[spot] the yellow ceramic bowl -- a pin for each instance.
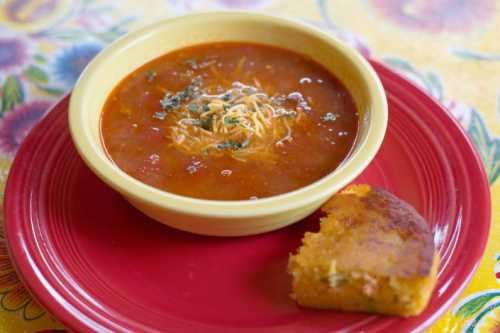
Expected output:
(225, 218)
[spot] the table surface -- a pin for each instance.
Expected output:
(448, 47)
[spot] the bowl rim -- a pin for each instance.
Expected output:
(136, 190)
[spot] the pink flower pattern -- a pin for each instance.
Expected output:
(437, 15)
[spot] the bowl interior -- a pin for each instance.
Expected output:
(134, 50)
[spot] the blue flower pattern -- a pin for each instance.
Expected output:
(71, 61)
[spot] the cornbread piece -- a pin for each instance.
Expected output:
(373, 253)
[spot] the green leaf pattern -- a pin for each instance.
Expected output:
(429, 81)
(475, 303)
(476, 306)
(472, 325)
(488, 146)
(473, 55)
(36, 75)
(12, 93)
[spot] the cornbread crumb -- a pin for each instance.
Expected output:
(373, 253)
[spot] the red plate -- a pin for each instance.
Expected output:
(98, 264)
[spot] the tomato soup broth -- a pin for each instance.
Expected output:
(229, 121)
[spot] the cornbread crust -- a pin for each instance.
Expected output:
(373, 253)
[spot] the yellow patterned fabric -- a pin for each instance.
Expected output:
(451, 48)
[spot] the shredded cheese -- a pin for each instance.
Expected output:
(243, 121)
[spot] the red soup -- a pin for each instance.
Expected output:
(229, 121)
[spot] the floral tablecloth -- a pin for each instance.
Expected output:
(451, 48)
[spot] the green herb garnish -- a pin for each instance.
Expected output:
(172, 102)
(233, 145)
(151, 75)
(226, 97)
(193, 108)
(193, 63)
(207, 123)
(231, 121)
